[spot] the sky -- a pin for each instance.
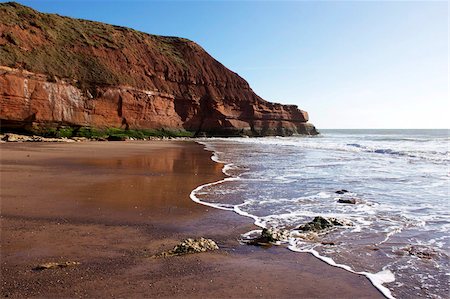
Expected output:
(350, 64)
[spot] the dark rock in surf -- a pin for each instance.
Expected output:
(422, 252)
(328, 243)
(320, 223)
(347, 200)
(342, 191)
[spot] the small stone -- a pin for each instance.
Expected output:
(328, 243)
(89, 95)
(54, 265)
(79, 139)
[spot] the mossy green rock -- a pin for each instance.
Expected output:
(189, 246)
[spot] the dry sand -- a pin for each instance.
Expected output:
(110, 205)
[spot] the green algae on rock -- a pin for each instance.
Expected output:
(268, 237)
(320, 223)
(189, 246)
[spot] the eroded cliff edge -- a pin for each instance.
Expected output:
(59, 71)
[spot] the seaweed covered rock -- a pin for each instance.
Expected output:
(191, 246)
(320, 223)
(269, 236)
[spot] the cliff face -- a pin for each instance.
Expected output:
(60, 71)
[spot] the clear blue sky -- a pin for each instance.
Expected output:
(350, 64)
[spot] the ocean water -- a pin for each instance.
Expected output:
(399, 237)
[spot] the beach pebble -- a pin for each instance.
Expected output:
(54, 265)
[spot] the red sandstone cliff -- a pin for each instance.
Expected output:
(60, 71)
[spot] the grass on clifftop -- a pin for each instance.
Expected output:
(75, 49)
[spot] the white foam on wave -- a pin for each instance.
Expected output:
(377, 279)
(323, 195)
(396, 230)
(257, 220)
(193, 194)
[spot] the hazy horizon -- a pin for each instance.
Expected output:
(350, 65)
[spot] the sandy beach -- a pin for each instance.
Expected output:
(112, 205)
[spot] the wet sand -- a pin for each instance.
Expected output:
(111, 205)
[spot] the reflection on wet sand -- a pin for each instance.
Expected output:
(124, 181)
(155, 181)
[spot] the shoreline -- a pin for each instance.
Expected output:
(376, 279)
(111, 205)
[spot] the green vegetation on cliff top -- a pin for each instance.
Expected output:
(71, 48)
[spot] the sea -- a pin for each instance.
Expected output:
(400, 179)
